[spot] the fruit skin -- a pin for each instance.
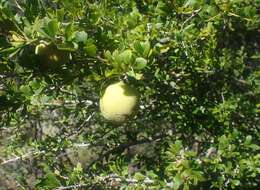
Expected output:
(7, 103)
(3, 100)
(44, 57)
(27, 58)
(119, 102)
(50, 57)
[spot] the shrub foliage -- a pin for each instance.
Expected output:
(195, 64)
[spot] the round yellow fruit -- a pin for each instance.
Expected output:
(119, 102)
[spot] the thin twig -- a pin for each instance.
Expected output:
(238, 16)
(195, 13)
(72, 186)
(18, 6)
(25, 156)
(83, 125)
(101, 59)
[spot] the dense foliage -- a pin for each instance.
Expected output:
(195, 64)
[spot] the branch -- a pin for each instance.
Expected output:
(83, 125)
(72, 186)
(195, 13)
(101, 59)
(25, 156)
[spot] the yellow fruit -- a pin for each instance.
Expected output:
(119, 102)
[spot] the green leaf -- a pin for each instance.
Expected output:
(11, 50)
(186, 187)
(67, 47)
(235, 182)
(151, 174)
(133, 18)
(26, 90)
(142, 48)
(69, 32)
(176, 147)
(51, 180)
(256, 56)
(248, 139)
(177, 182)
(78, 168)
(123, 59)
(50, 26)
(126, 56)
(81, 37)
(137, 76)
(192, 3)
(138, 47)
(139, 176)
(90, 49)
(108, 55)
(140, 63)
(188, 28)
(146, 46)
(255, 147)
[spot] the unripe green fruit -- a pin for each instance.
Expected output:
(50, 56)
(119, 102)
(5, 103)
(2, 93)
(39, 49)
